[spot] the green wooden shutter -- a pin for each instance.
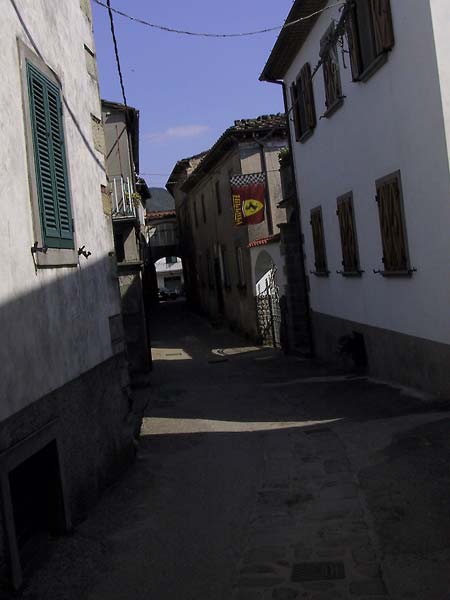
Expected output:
(50, 160)
(60, 164)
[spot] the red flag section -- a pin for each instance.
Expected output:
(248, 194)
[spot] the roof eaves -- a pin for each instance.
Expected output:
(241, 130)
(291, 39)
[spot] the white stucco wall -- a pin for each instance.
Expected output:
(53, 322)
(392, 122)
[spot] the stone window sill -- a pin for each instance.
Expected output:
(400, 273)
(305, 136)
(320, 273)
(371, 69)
(357, 273)
(334, 107)
(56, 257)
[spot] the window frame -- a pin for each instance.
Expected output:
(54, 256)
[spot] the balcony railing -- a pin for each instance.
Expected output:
(122, 198)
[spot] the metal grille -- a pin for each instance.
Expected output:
(269, 312)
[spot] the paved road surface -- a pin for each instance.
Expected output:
(250, 463)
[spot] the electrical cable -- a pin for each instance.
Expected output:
(116, 51)
(213, 35)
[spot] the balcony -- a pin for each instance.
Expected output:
(122, 191)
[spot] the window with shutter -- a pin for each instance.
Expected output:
(50, 160)
(392, 225)
(295, 111)
(370, 36)
(203, 209)
(240, 267)
(320, 257)
(209, 268)
(331, 74)
(218, 198)
(224, 264)
(347, 227)
(306, 118)
(195, 214)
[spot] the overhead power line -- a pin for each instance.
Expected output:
(209, 34)
(116, 52)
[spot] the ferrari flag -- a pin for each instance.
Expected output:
(247, 194)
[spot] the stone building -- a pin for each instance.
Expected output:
(185, 230)
(66, 417)
(221, 263)
(128, 195)
(367, 89)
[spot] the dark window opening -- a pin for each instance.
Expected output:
(119, 246)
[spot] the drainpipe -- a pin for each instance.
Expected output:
(266, 187)
(297, 216)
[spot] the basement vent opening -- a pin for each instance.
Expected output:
(37, 504)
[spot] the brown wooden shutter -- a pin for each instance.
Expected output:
(392, 225)
(353, 44)
(320, 257)
(347, 226)
(308, 96)
(295, 110)
(382, 25)
(332, 79)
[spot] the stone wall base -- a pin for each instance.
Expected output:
(391, 356)
(93, 424)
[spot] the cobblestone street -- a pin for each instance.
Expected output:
(261, 476)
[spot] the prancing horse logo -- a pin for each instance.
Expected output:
(251, 207)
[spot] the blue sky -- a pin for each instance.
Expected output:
(188, 90)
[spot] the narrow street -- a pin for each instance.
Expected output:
(264, 476)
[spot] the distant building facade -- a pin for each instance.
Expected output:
(369, 102)
(128, 197)
(169, 273)
(66, 416)
(219, 267)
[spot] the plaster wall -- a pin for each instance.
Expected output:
(392, 122)
(250, 155)
(218, 230)
(54, 321)
(118, 161)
